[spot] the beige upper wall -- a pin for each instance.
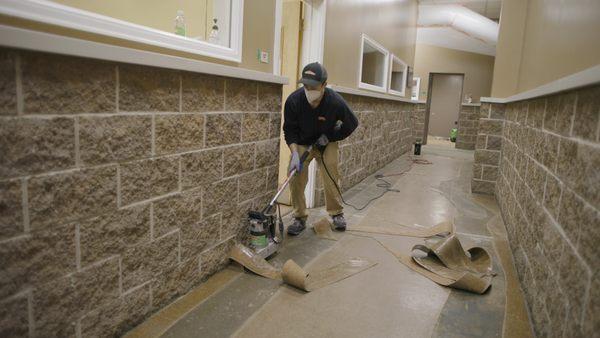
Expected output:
(478, 69)
(259, 33)
(391, 23)
(509, 48)
(560, 38)
(259, 28)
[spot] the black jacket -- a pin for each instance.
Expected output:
(303, 125)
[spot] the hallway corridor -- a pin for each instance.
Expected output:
(388, 300)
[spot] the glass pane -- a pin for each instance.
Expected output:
(373, 63)
(205, 20)
(219, 14)
(397, 81)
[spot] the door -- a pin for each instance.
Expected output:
(445, 97)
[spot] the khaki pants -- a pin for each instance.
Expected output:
(333, 200)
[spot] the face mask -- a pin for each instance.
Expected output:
(312, 95)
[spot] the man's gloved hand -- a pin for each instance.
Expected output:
(295, 163)
(322, 141)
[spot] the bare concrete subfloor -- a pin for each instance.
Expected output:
(389, 300)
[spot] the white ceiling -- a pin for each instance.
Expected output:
(449, 38)
(487, 8)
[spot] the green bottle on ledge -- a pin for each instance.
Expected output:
(180, 23)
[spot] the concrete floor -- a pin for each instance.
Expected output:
(388, 300)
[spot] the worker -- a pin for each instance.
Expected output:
(315, 114)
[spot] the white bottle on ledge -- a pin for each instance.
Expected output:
(214, 33)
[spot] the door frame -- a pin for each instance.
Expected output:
(277, 37)
(429, 95)
(313, 45)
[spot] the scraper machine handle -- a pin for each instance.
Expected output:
(287, 181)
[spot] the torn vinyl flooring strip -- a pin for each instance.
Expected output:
(447, 264)
(292, 274)
(443, 228)
(323, 230)
(254, 263)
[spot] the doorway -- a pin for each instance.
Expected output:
(444, 101)
(302, 42)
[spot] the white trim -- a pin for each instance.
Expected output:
(371, 87)
(385, 52)
(416, 87)
(65, 16)
(584, 78)
(394, 58)
(45, 42)
(277, 37)
(354, 91)
(311, 51)
(313, 31)
(471, 104)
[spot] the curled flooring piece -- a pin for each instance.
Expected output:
(323, 229)
(293, 274)
(254, 263)
(443, 228)
(446, 263)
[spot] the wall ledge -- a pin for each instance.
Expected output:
(45, 42)
(584, 78)
(475, 104)
(359, 92)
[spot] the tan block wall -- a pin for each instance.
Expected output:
(385, 132)
(548, 189)
(487, 148)
(418, 122)
(121, 187)
(468, 122)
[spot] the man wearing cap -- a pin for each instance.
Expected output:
(316, 114)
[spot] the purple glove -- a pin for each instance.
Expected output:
(295, 163)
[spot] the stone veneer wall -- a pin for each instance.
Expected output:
(385, 132)
(418, 121)
(548, 189)
(487, 148)
(468, 121)
(121, 187)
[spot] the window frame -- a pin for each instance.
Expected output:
(380, 48)
(73, 18)
(394, 58)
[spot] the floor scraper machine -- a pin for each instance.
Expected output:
(263, 224)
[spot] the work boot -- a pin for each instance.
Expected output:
(339, 223)
(297, 227)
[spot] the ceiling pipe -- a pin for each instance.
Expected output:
(461, 19)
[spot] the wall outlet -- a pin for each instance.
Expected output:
(263, 56)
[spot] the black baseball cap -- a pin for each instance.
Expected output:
(313, 74)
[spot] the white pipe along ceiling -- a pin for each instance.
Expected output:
(461, 19)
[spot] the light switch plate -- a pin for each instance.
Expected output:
(264, 56)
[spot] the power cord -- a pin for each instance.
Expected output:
(387, 186)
